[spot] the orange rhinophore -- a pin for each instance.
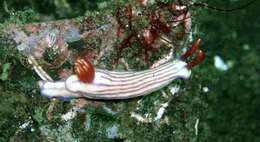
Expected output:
(84, 70)
(193, 49)
(198, 58)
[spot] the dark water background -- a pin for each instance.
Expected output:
(234, 103)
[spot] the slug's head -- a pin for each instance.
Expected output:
(84, 69)
(199, 54)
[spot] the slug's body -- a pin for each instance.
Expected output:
(112, 85)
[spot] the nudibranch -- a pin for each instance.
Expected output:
(115, 85)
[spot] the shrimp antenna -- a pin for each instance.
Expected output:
(201, 4)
